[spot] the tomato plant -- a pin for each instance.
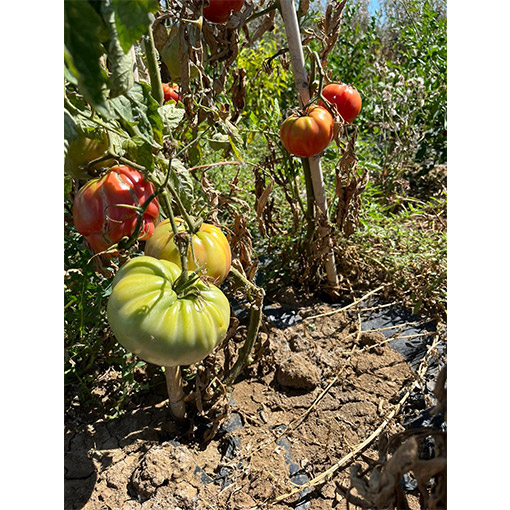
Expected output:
(171, 91)
(346, 99)
(162, 324)
(210, 247)
(82, 150)
(104, 212)
(307, 135)
(219, 11)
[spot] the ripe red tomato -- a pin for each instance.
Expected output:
(346, 99)
(100, 218)
(219, 11)
(307, 135)
(170, 91)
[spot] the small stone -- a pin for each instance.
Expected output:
(159, 466)
(371, 338)
(297, 343)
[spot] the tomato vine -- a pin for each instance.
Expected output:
(115, 96)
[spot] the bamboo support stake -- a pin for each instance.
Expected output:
(175, 391)
(288, 12)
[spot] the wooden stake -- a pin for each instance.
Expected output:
(297, 59)
(175, 391)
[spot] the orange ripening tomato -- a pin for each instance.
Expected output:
(170, 91)
(307, 135)
(219, 11)
(210, 247)
(99, 213)
(346, 99)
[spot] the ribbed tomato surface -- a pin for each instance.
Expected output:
(150, 320)
(210, 247)
(307, 135)
(99, 210)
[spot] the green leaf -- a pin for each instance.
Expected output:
(139, 112)
(120, 63)
(182, 182)
(84, 31)
(68, 74)
(219, 142)
(236, 140)
(195, 154)
(139, 151)
(132, 19)
(171, 117)
(141, 94)
(117, 143)
(68, 185)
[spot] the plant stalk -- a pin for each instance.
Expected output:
(183, 254)
(272, 7)
(175, 391)
(290, 20)
(253, 328)
(153, 67)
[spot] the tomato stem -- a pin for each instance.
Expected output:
(175, 391)
(152, 66)
(120, 159)
(183, 250)
(198, 137)
(272, 7)
(316, 66)
(181, 285)
(256, 294)
(134, 236)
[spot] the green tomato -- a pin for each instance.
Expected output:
(152, 321)
(82, 151)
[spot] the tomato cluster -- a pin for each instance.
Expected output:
(308, 134)
(152, 312)
(161, 321)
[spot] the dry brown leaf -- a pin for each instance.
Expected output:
(260, 204)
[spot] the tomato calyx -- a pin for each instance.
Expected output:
(197, 224)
